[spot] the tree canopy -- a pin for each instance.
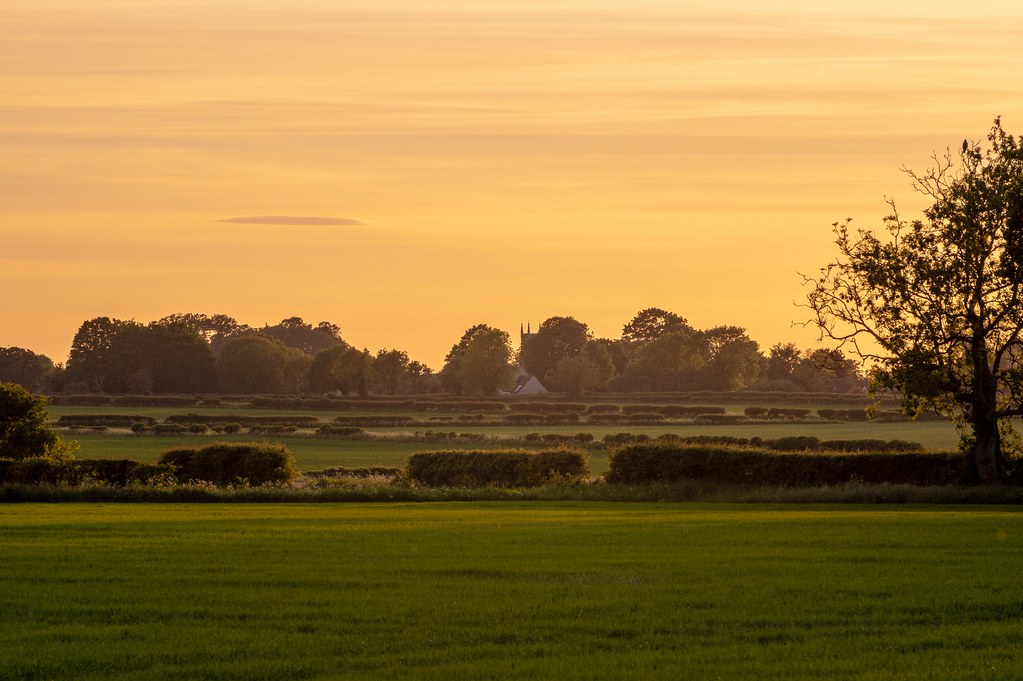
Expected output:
(934, 304)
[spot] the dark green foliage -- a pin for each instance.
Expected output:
(535, 407)
(116, 472)
(24, 424)
(139, 427)
(330, 430)
(495, 468)
(169, 428)
(246, 463)
(24, 367)
(602, 409)
(374, 421)
(639, 464)
(670, 410)
(108, 420)
(269, 430)
(793, 444)
(367, 472)
(198, 428)
(231, 428)
(215, 420)
(779, 412)
(756, 412)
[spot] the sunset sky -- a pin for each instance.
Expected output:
(467, 162)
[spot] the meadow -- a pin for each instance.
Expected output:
(509, 590)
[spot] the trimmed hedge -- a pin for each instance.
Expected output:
(331, 430)
(779, 412)
(108, 420)
(639, 464)
(547, 407)
(368, 472)
(670, 410)
(371, 421)
(244, 463)
(214, 420)
(116, 472)
(495, 468)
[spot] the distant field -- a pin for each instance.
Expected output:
(310, 453)
(510, 591)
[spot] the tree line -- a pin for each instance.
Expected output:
(197, 353)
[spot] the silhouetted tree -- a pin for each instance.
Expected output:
(937, 304)
(253, 364)
(556, 339)
(26, 368)
(485, 367)
(652, 323)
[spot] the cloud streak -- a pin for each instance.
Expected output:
(291, 220)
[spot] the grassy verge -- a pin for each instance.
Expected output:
(348, 490)
(484, 591)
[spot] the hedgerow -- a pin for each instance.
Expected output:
(640, 464)
(243, 463)
(495, 468)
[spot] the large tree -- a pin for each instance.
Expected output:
(934, 304)
(25, 426)
(26, 368)
(557, 338)
(485, 366)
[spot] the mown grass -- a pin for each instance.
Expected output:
(511, 591)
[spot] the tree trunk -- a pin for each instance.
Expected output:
(987, 449)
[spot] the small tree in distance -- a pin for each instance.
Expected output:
(936, 307)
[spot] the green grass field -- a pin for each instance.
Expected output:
(509, 591)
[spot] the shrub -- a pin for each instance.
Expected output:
(139, 427)
(797, 443)
(223, 464)
(232, 428)
(637, 464)
(214, 420)
(494, 468)
(368, 472)
(198, 428)
(755, 412)
(169, 428)
(602, 409)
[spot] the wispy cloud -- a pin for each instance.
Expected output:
(292, 220)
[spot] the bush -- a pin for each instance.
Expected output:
(245, 463)
(624, 439)
(755, 412)
(198, 428)
(115, 472)
(232, 428)
(139, 427)
(602, 409)
(169, 428)
(640, 464)
(494, 468)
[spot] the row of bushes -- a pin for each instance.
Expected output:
(650, 463)
(117, 472)
(108, 420)
(495, 468)
(216, 420)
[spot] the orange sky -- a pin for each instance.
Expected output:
(495, 162)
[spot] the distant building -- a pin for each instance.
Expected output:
(526, 383)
